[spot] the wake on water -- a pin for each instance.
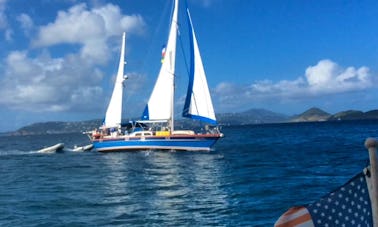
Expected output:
(16, 152)
(57, 148)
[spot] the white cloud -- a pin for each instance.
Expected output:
(74, 26)
(225, 88)
(90, 28)
(204, 3)
(26, 22)
(328, 77)
(324, 78)
(70, 82)
(49, 84)
(8, 32)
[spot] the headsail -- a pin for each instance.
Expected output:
(160, 104)
(114, 112)
(198, 104)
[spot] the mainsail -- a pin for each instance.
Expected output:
(114, 112)
(160, 104)
(198, 104)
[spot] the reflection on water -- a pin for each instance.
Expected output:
(177, 187)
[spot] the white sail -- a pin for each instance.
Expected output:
(114, 112)
(160, 104)
(198, 104)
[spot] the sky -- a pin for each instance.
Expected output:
(58, 58)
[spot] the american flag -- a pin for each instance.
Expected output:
(349, 205)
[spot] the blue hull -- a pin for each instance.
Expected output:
(193, 143)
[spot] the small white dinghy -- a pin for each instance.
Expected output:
(55, 148)
(83, 148)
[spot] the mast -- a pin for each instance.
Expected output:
(174, 28)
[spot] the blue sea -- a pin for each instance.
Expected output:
(253, 175)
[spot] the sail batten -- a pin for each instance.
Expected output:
(113, 114)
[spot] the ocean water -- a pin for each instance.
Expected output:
(251, 177)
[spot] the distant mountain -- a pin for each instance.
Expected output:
(252, 116)
(347, 115)
(372, 114)
(316, 114)
(313, 114)
(354, 115)
(56, 127)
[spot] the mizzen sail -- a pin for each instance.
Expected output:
(113, 115)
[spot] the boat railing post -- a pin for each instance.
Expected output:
(372, 144)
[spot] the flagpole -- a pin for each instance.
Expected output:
(372, 144)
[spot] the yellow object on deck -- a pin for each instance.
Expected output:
(163, 133)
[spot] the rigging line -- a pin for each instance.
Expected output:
(183, 51)
(155, 34)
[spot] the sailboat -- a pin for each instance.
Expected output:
(156, 128)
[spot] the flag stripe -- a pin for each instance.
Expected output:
(295, 216)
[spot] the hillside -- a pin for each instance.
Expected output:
(313, 114)
(252, 116)
(354, 115)
(316, 114)
(57, 127)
